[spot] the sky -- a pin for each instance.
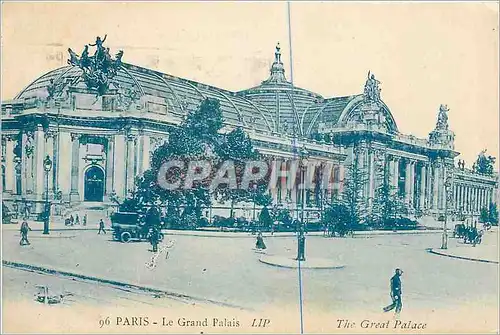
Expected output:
(425, 54)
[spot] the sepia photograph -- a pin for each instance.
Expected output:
(250, 167)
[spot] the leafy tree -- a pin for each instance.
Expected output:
(352, 194)
(265, 219)
(334, 217)
(388, 205)
(484, 216)
(198, 137)
(493, 214)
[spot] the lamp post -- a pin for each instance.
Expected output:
(447, 185)
(254, 187)
(47, 166)
(301, 239)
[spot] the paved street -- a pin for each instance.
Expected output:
(226, 270)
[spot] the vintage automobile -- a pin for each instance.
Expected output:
(129, 226)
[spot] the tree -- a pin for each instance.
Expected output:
(484, 216)
(493, 214)
(265, 219)
(334, 218)
(352, 198)
(237, 147)
(198, 137)
(388, 205)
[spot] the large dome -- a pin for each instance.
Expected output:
(180, 96)
(280, 100)
(274, 106)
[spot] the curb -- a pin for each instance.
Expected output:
(432, 251)
(303, 267)
(50, 229)
(172, 295)
(248, 235)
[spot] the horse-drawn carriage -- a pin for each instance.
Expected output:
(459, 231)
(470, 234)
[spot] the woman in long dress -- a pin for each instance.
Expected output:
(260, 242)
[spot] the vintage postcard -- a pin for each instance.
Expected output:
(250, 167)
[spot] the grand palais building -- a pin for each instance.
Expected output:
(99, 120)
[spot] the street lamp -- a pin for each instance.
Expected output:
(301, 239)
(447, 186)
(254, 187)
(47, 166)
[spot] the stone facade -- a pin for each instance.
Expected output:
(99, 143)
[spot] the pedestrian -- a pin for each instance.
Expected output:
(84, 220)
(260, 245)
(77, 219)
(101, 227)
(154, 238)
(67, 222)
(395, 293)
(71, 219)
(24, 233)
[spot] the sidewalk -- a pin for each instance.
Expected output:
(58, 225)
(486, 252)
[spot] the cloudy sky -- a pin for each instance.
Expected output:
(425, 54)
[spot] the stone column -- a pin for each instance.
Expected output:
(462, 197)
(143, 155)
(130, 162)
(435, 191)
(55, 162)
(39, 171)
(428, 186)
(64, 167)
(467, 199)
(442, 193)
(408, 182)
(110, 160)
(485, 196)
(412, 183)
(390, 177)
(371, 178)
(473, 199)
(478, 198)
(75, 167)
(119, 165)
(360, 154)
(10, 172)
(423, 178)
(395, 176)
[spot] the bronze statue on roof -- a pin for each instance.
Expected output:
(99, 69)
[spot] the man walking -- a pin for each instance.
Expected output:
(154, 238)
(395, 292)
(24, 233)
(101, 227)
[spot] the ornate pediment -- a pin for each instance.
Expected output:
(99, 69)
